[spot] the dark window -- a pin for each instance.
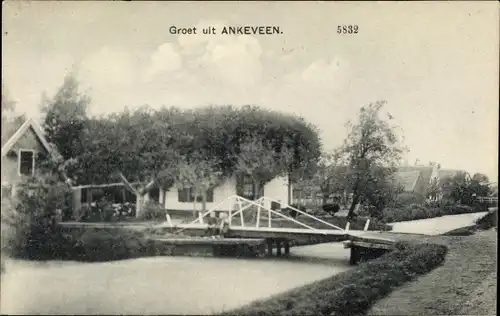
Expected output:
(26, 162)
(246, 187)
(187, 195)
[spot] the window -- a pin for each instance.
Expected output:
(245, 187)
(26, 162)
(187, 195)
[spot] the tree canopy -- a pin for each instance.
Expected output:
(147, 145)
(370, 152)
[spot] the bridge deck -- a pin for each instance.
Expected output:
(210, 241)
(267, 229)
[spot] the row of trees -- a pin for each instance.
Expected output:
(199, 148)
(191, 148)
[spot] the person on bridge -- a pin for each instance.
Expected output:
(223, 224)
(213, 226)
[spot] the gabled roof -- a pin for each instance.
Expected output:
(20, 132)
(408, 179)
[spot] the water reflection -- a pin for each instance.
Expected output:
(162, 285)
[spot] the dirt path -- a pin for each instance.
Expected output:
(455, 287)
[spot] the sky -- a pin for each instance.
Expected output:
(435, 63)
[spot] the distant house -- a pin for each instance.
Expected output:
(22, 153)
(417, 179)
(420, 179)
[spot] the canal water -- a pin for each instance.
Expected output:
(162, 285)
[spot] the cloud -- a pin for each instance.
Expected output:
(165, 59)
(108, 66)
(212, 61)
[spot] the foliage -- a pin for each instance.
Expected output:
(354, 291)
(331, 208)
(153, 211)
(65, 117)
(199, 172)
(406, 198)
(30, 219)
(489, 220)
(102, 245)
(462, 189)
(146, 144)
(419, 211)
(370, 152)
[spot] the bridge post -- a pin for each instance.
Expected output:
(269, 247)
(278, 247)
(355, 254)
(287, 247)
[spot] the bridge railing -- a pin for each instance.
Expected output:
(303, 213)
(270, 212)
(244, 204)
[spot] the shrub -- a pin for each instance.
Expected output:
(489, 220)
(293, 213)
(406, 199)
(354, 291)
(107, 245)
(331, 208)
(29, 219)
(153, 211)
(418, 211)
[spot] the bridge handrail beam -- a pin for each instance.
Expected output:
(274, 212)
(304, 213)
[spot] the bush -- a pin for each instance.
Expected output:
(489, 220)
(406, 199)
(29, 220)
(331, 208)
(354, 291)
(153, 211)
(418, 211)
(293, 213)
(107, 245)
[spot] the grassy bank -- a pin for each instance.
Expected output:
(353, 292)
(471, 261)
(486, 222)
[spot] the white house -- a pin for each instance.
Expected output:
(176, 199)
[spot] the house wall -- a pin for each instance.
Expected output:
(276, 189)
(223, 191)
(10, 161)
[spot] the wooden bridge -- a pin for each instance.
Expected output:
(278, 238)
(259, 229)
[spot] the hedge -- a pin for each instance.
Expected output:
(418, 211)
(353, 292)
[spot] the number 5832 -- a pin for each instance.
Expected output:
(347, 29)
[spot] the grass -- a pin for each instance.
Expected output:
(484, 223)
(354, 291)
(450, 289)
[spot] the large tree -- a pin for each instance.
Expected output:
(371, 152)
(65, 117)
